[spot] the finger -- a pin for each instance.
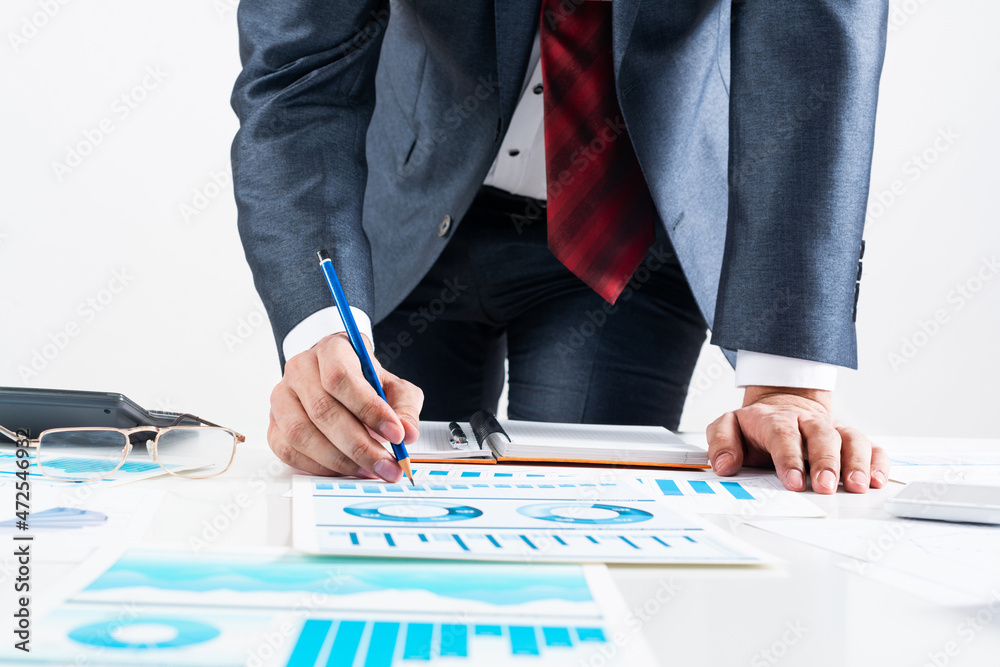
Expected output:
(783, 441)
(725, 444)
(880, 467)
(341, 377)
(406, 399)
(332, 435)
(855, 460)
(289, 455)
(823, 445)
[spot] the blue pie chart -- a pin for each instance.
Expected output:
(188, 633)
(413, 511)
(577, 513)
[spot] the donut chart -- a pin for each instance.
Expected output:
(102, 634)
(577, 513)
(413, 511)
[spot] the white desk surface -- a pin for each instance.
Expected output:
(807, 611)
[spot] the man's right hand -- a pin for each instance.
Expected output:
(326, 418)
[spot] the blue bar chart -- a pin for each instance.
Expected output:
(561, 519)
(469, 484)
(673, 487)
(383, 643)
(746, 496)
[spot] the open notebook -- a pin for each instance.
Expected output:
(488, 440)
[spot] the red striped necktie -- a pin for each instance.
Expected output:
(601, 216)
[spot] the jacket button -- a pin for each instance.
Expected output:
(445, 226)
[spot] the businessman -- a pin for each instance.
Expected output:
(578, 188)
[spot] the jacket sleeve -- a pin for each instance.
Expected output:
(804, 88)
(304, 99)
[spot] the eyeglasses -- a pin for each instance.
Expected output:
(90, 454)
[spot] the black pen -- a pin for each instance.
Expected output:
(458, 438)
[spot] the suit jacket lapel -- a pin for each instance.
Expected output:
(622, 19)
(516, 24)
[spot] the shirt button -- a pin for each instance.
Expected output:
(445, 226)
(513, 152)
(537, 90)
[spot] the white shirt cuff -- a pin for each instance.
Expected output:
(318, 326)
(769, 370)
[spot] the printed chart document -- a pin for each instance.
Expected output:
(473, 515)
(177, 608)
(137, 466)
(745, 497)
(488, 440)
(68, 523)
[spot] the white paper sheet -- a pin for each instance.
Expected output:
(138, 465)
(930, 555)
(547, 518)
(157, 607)
(977, 467)
(743, 497)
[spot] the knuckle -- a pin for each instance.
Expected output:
(340, 462)
(295, 430)
(322, 408)
(278, 393)
(336, 377)
(370, 413)
(782, 429)
(282, 450)
(418, 394)
(717, 424)
(815, 421)
(294, 365)
(825, 461)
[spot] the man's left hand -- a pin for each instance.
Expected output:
(789, 427)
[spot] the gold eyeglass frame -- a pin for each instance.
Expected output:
(238, 439)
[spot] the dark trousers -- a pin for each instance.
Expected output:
(497, 293)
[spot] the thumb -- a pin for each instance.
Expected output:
(725, 444)
(406, 399)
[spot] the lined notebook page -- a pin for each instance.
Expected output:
(435, 440)
(591, 436)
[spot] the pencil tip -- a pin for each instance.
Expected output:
(405, 465)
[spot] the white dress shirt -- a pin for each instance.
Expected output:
(520, 169)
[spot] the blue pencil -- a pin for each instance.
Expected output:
(359, 347)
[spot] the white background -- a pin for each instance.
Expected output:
(185, 329)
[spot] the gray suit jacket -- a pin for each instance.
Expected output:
(364, 125)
